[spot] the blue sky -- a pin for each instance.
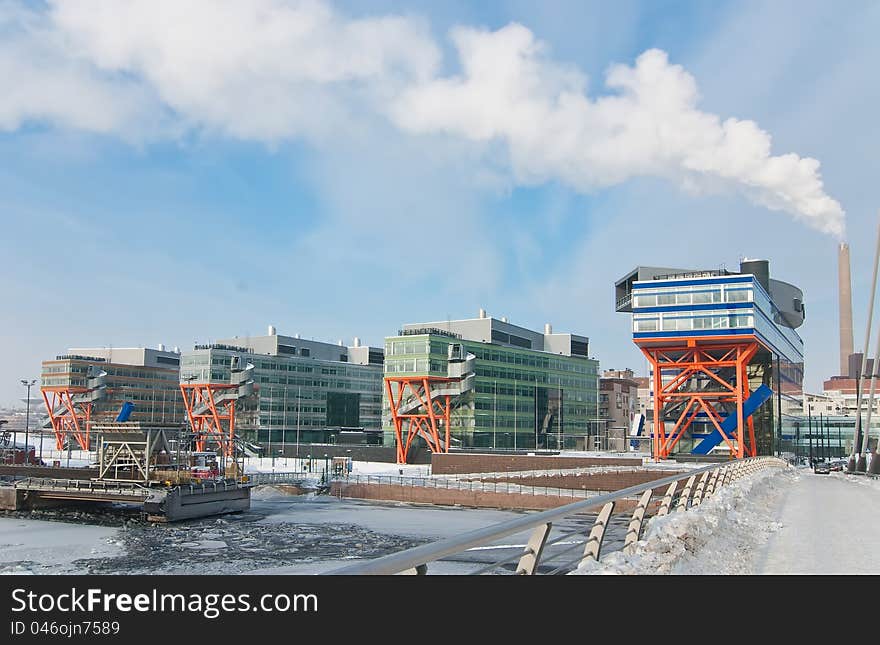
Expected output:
(151, 194)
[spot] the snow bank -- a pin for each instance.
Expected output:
(718, 537)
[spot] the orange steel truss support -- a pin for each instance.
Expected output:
(77, 420)
(709, 361)
(423, 419)
(216, 420)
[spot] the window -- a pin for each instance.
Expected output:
(739, 295)
(666, 299)
(304, 352)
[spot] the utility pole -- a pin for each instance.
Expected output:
(853, 464)
(810, 429)
(298, 403)
(27, 422)
(494, 415)
(284, 422)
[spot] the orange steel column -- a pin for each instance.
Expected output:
(76, 423)
(208, 424)
(427, 410)
(695, 358)
(658, 383)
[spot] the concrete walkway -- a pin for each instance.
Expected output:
(829, 525)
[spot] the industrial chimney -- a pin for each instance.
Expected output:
(844, 288)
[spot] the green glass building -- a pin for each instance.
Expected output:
(531, 390)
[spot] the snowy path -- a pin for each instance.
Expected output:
(829, 525)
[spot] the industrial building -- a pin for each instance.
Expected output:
(307, 391)
(726, 359)
(88, 385)
(517, 389)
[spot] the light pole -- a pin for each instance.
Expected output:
(284, 423)
(810, 430)
(514, 415)
(494, 415)
(27, 421)
(298, 402)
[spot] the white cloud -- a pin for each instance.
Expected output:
(270, 70)
(263, 69)
(510, 91)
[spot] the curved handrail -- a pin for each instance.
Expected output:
(415, 560)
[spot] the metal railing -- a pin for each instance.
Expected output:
(623, 301)
(471, 485)
(280, 478)
(83, 485)
(694, 492)
(495, 482)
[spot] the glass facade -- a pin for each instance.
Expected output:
(301, 399)
(153, 390)
(521, 398)
(731, 305)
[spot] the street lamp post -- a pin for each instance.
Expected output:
(298, 402)
(494, 415)
(810, 430)
(27, 421)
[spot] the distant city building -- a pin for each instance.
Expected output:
(828, 421)
(618, 402)
(531, 389)
(646, 400)
(146, 377)
(308, 391)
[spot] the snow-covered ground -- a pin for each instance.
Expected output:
(787, 521)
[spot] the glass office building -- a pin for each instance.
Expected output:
(146, 377)
(531, 390)
(308, 391)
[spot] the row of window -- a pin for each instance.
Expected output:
(688, 295)
(688, 323)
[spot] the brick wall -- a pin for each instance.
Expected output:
(458, 463)
(598, 481)
(470, 498)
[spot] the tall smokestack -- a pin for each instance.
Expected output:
(844, 288)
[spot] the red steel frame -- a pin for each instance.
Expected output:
(701, 357)
(210, 424)
(426, 423)
(76, 422)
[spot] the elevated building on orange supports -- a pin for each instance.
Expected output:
(726, 362)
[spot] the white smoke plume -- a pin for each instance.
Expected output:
(274, 70)
(650, 126)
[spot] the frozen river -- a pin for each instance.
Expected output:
(281, 534)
